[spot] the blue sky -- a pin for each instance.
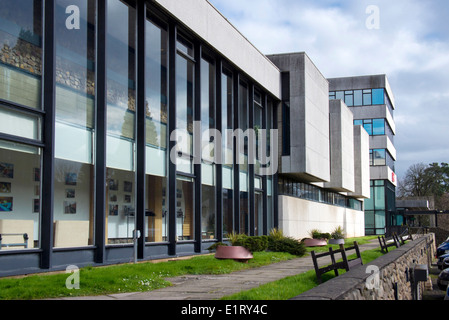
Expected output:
(411, 46)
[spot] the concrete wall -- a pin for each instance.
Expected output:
(309, 158)
(210, 25)
(298, 216)
(394, 269)
(341, 148)
(361, 164)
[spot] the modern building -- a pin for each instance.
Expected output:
(323, 158)
(372, 103)
(105, 153)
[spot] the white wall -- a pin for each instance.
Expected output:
(298, 216)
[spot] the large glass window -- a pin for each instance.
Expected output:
(243, 154)
(378, 96)
(75, 126)
(258, 110)
(20, 196)
(208, 212)
(121, 115)
(374, 127)
(21, 52)
(227, 118)
(378, 157)
(156, 132)
(185, 208)
(184, 103)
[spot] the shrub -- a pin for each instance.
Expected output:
(338, 233)
(276, 234)
(287, 244)
(317, 234)
(215, 245)
(254, 243)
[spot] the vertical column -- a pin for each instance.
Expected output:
(171, 127)
(100, 136)
(48, 92)
(141, 127)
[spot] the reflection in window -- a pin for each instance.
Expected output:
(243, 166)
(156, 211)
(374, 127)
(75, 126)
(258, 213)
(21, 52)
(208, 205)
(227, 177)
(156, 204)
(184, 208)
(184, 104)
(20, 194)
(121, 114)
(357, 98)
(378, 157)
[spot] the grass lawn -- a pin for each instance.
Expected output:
(145, 276)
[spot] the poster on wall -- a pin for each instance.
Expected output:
(70, 193)
(6, 170)
(128, 186)
(69, 207)
(113, 209)
(113, 185)
(5, 187)
(71, 179)
(6, 204)
(37, 174)
(36, 205)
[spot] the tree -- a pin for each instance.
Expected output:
(426, 180)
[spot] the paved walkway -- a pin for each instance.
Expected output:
(214, 287)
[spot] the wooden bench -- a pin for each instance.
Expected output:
(384, 245)
(334, 266)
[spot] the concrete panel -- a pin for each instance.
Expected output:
(298, 216)
(210, 25)
(361, 164)
(309, 117)
(341, 148)
(383, 142)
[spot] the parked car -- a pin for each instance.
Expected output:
(443, 249)
(443, 279)
(446, 263)
(440, 261)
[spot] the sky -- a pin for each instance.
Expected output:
(408, 40)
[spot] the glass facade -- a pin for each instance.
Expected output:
(310, 192)
(381, 205)
(359, 98)
(121, 88)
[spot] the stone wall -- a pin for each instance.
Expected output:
(395, 276)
